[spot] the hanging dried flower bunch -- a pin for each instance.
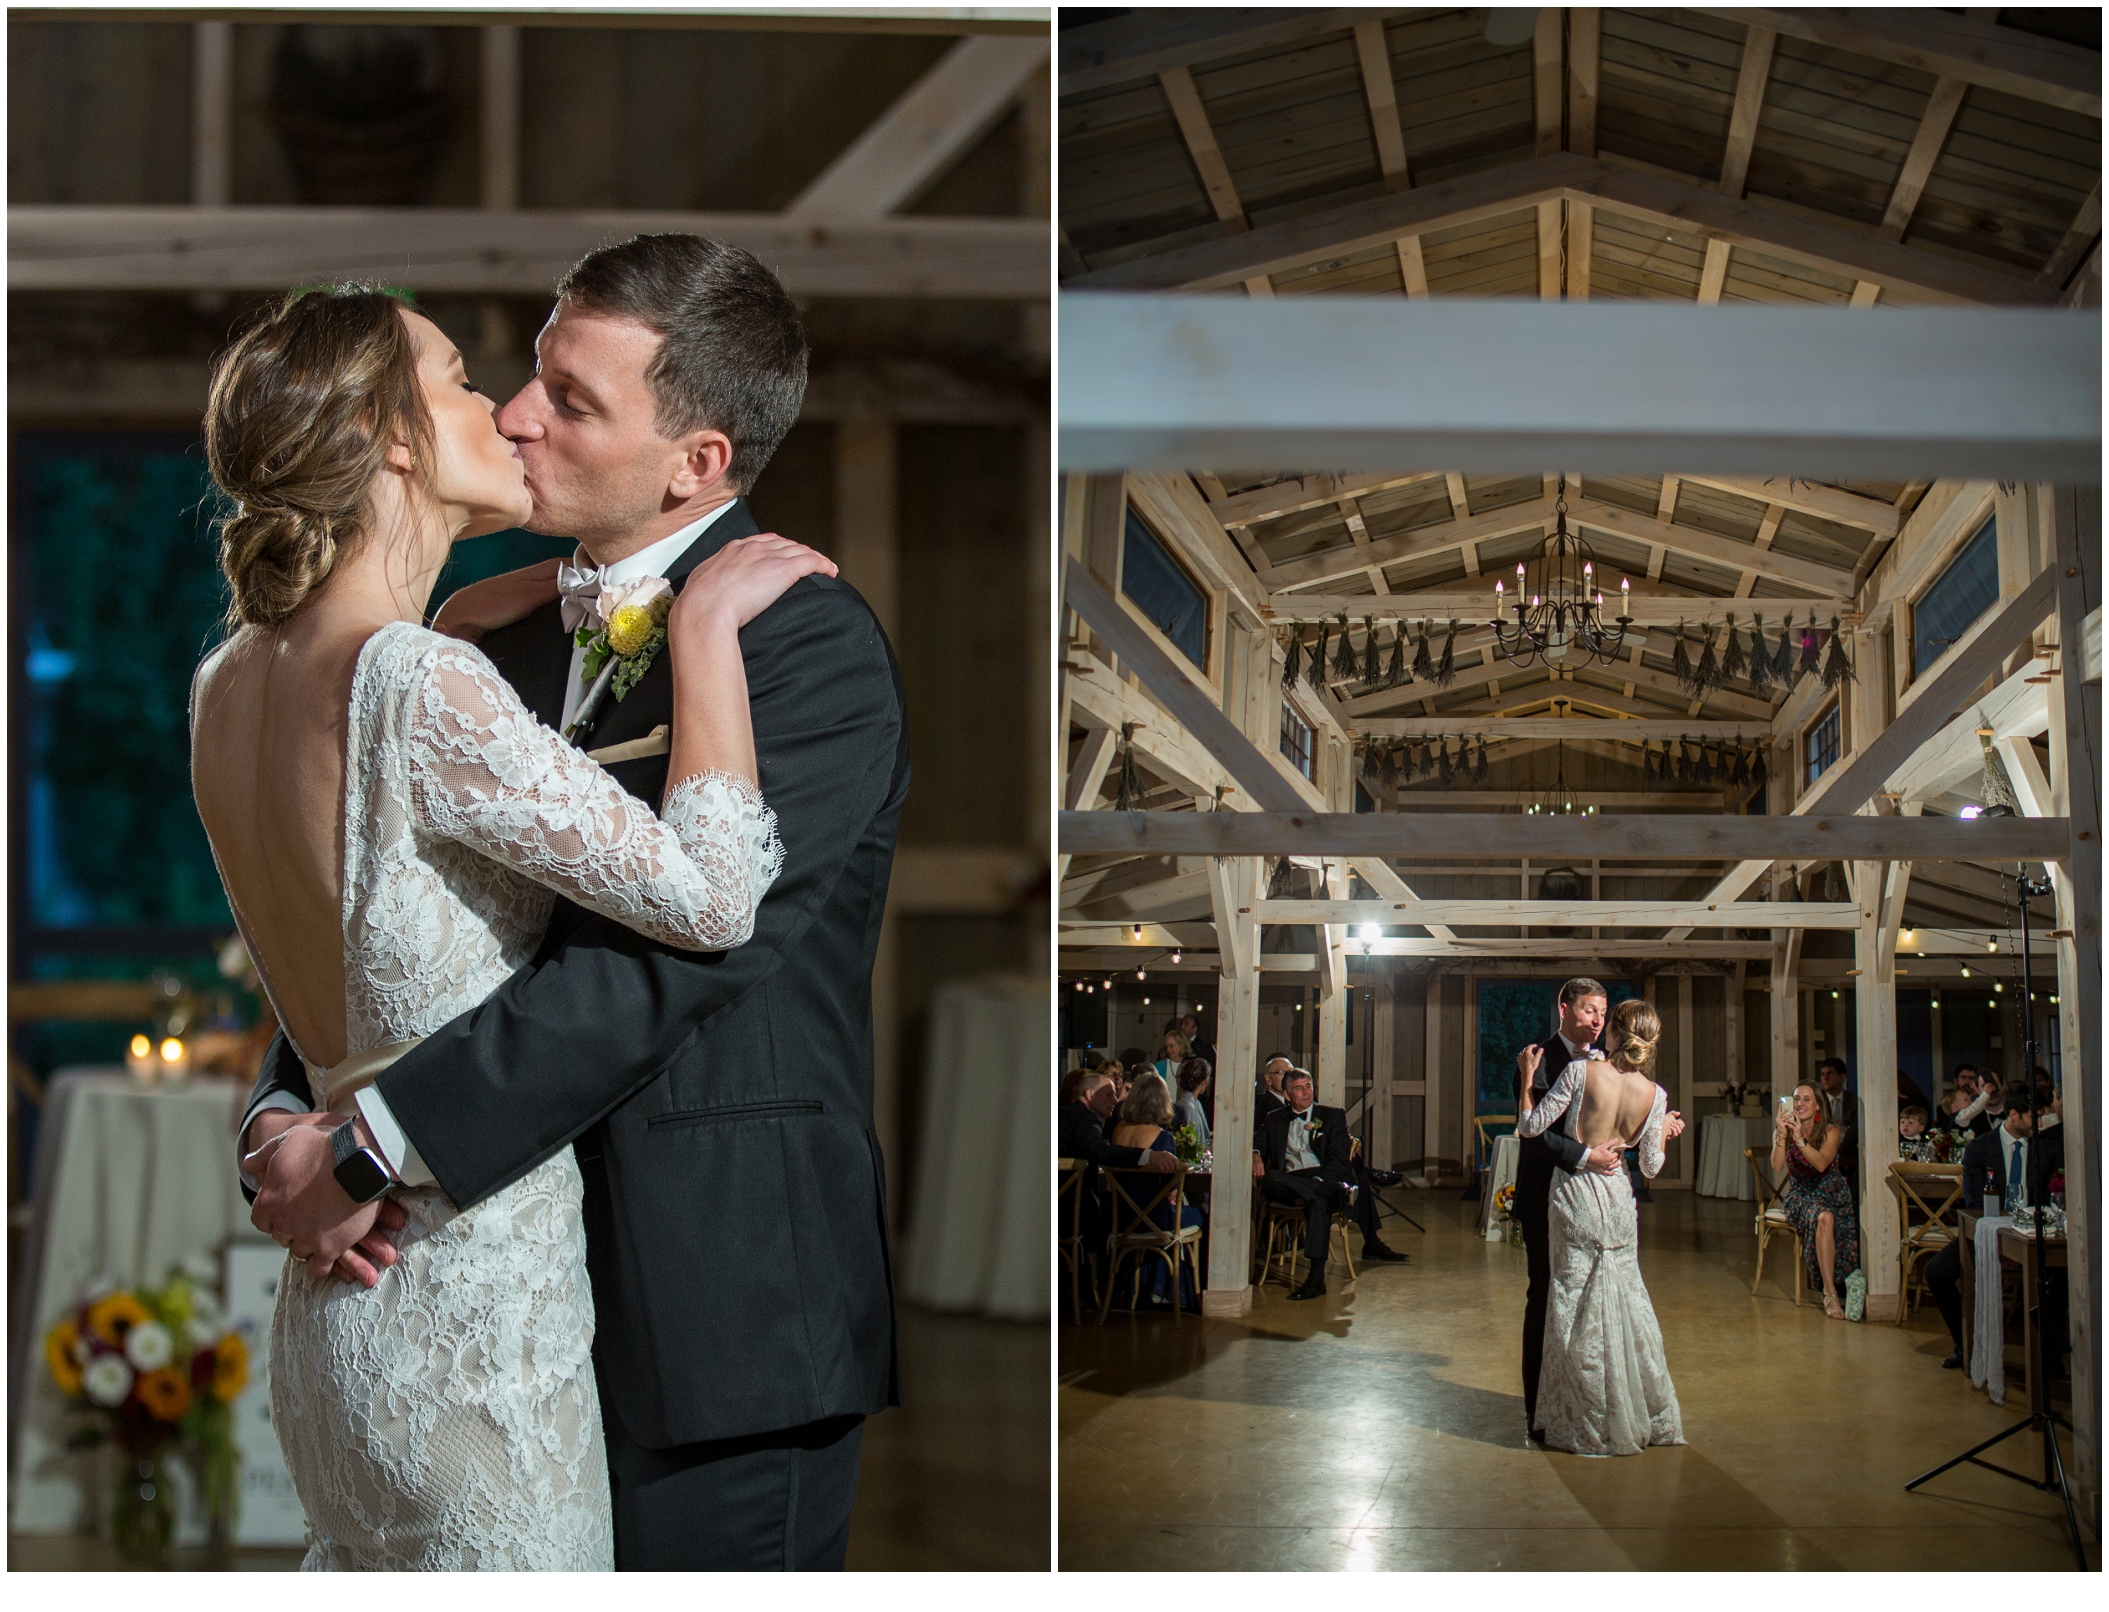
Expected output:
(1783, 655)
(1810, 650)
(1446, 674)
(1739, 775)
(1446, 772)
(1757, 767)
(1344, 656)
(1372, 660)
(1128, 796)
(1837, 666)
(1423, 662)
(1395, 674)
(1479, 764)
(1760, 660)
(1292, 663)
(1325, 632)
(1706, 676)
(1733, 666)
(1681, 660)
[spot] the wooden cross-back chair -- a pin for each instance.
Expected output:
(1283, 1224)
(1929, 1215)
(1137, 1236)
(1069, 1224)
(1772, 1222)
(1484, 1138)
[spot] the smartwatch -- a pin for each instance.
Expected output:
(360, 1171)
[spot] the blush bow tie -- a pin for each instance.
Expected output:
(578, 589)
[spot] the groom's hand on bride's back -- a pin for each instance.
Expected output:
(300, 1206)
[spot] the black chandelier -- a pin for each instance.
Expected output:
(1558, 605)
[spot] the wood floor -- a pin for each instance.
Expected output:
(954, 1480)
(1381, 1427)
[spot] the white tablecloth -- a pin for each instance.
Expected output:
(1723, 1173)
(1988, 1318)
(1501, 1172)
(980, 1236)
(130, 1179)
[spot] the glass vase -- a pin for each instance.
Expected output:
(142, 1510)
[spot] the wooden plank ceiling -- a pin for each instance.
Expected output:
(1183, 128)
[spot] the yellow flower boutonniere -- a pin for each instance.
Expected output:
(622, 635)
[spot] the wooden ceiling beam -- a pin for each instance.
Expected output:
(1755, 69)
(1584, 70)
(1545, 78)
(1712, 548)
(1972, 49)
(1214, 172)
(2085, 231)
(924, 133)
(1312, 492)
(1144, 43)
(1374, 58)
(1631, 730)
(1653, 606)
(1411, 545)
(1812, 498)
(1939, 117)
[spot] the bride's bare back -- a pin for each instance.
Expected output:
(1615, 1105)
(267, 767)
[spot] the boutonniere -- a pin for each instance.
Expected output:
(1314, 1124)
(622, 634)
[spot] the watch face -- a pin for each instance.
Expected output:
(362, 1177)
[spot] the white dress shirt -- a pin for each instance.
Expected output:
(1297, 1153)
(388, 1136)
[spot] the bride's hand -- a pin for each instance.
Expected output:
(495, 602)
(744, 578)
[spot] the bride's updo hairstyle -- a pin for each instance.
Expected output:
(303, 409)
(1638, 1029)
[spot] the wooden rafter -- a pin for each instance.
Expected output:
(1584, 58)
(1972, 49)
(1145, 43)
(1941, 107)
(2085, 231)
(1545, 79)
(1375, 61)
(1200, 138)
(1312, 492)
(1755, 69)
(1812, 498)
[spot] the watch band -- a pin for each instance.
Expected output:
(360, 1171)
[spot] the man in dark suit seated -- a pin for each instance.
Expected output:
(1268, 1100)
(2012, 1143)
(1080, 1133)
(1306, 1157)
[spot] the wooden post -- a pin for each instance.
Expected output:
(1234, 885)
(1432, 1079)
(1786, 1011)
(1382, 1033)
(1334, 999)
(2075, 765)
(501, 116)
(212, 114)
(1733, 1025)
(868, 551)
(1686, 1152)
(1875, 1012)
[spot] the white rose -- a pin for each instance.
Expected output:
(203, 1268)
(107, 1380)
(201, 1333)
(148, 1346)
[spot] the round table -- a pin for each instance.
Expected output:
(132, 1177)
(1723, 1172)
(1501, 1172)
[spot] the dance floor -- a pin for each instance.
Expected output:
(954, 1480)
(1381, 1427)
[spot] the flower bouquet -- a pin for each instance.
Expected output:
(154, 1372)
(1186, 1145)
(1505, 1211)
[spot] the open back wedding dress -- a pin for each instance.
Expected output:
(447, 1418)
(1604, 1388)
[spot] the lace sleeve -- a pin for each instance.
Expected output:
(1554, 1103)
(486, 773)
(1651, 1135)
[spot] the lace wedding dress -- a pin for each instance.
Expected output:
(447, 1419)
(1604, 1388)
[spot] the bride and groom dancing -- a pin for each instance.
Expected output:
(568, 1129)
(1594, 1378)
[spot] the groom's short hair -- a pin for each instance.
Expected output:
(1575, 989)
(732, 352)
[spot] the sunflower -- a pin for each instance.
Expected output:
(108, 1318)
(165, 1394)
(58, 1355)
(230, 1367)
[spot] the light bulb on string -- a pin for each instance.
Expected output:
(1175, 954)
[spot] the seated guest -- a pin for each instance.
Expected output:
(1194, 1076)
(1144, 1122)
(1080, 1133)
(1270, 1092)
(1816, 1200)
(1172, 1053)
(1969, 1114)
(1912, 1142)
(2003, 1156)
(1305, 1158)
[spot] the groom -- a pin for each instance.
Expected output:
(719, 1104)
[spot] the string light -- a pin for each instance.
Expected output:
(1175, 954)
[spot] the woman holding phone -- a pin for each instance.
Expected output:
(1817, 1200)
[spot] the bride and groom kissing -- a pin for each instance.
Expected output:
(1594, 1378)
(568, 1127)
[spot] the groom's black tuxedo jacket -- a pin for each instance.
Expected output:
(720, 1103)
(1538, 1156)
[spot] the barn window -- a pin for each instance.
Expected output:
(1161, 589)
(1957, 597)
(1820, 745)
(1297, 739)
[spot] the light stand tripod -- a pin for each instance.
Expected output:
(2046, 1421)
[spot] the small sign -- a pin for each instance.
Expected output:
(270, 1510)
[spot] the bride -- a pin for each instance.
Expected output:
(1604, 1388)
(392, 826)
